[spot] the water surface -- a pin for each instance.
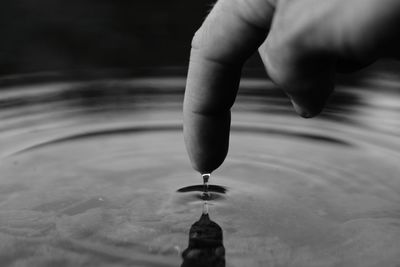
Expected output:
(96, 174)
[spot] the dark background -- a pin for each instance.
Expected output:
(102, 36)
(59, 35)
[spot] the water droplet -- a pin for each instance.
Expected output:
(205, 207)
(206, 177)
(206, 194)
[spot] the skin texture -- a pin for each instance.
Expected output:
(302, 44)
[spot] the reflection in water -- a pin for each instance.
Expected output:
(215, 192)
(205, 247)
(89, 172)
(211, 188)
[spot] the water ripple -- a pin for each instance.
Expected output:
(96, 171)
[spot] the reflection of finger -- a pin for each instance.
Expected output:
(230, 34)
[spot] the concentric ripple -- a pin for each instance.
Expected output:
(96, 173)
(215, 192)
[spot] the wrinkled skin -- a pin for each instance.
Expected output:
(302, 43)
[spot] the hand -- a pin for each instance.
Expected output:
(302, 43)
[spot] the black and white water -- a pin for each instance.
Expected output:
(90, 174)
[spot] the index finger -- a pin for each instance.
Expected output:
(230, 34)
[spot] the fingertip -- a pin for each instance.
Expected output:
(308, 111)
(310, 102)
(206, 139)
(208, 157)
